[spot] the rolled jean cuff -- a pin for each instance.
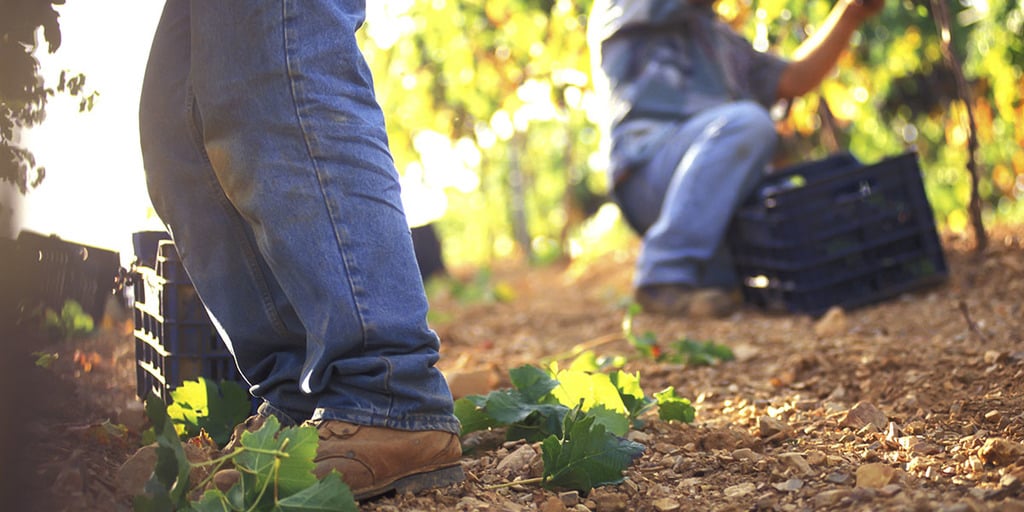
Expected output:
(286, 420)
(442, 422)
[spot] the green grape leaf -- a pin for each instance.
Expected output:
(167, 488)
(697, 353)
(470, 412)
(674, 407)
(330, 494)
(589, 388)
(632, 395)
(213, 501)
(534, 383)
(586, 456)
(204, 405)
(295, 470)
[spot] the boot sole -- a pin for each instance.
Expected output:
(417, 482)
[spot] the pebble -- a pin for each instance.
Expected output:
(1000, 452)
(875, 475)
(769, 427)
(735, 491)
(569, 498)
(666, 505)
(797, 462)
(746, 454)
(833, 323)
(830, 498)
(791, 485)
(863, 414)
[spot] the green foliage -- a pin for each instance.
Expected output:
(168, 488)
(579, 416)
(586, 455)
(699, 353)
(536, 407)
(645, 344)
(45, 359)
(490, 104)
(684, 351)
(23, 92)
(203, 405)
(275, 467)
(674, 407)
(71, 322)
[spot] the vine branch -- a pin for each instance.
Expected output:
(940, 14)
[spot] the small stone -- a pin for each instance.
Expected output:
(830, 498)
(797, 462)
(1000, 452)
(666, 505)
(816, 458)
(735, 491)
(569, 498)
(552, 504)
(875, 476)
(838, 477)
(917, 445)
(995, 356)
(746, 454)
(612, 502)
(639, 437)
(770, 427)
(889, 490)
(791, 485)
(806, 405)
(471, 503)
(956, 507)
(832, 323)
(518, 461)
(863, 414)
(993, 416)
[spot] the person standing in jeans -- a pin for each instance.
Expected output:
(687, 115)
(267, 158)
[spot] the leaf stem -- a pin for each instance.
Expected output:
(528, 481)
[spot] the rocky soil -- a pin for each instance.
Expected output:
(916, 403)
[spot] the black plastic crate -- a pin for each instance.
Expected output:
(45, 271)
(175, 340)
(835, 232)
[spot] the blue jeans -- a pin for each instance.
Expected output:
(683, 199)
(267, 158)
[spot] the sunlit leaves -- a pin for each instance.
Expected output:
(459, 69)
(586, 455)
(275, 473)
(204, 405)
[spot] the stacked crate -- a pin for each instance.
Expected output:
(835, 232)
(42, 271)
(175, 340)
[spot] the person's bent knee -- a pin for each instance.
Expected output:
(753, 119)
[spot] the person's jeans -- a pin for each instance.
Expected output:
(267, 158)
(683, 199)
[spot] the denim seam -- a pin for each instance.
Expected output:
(339, 231)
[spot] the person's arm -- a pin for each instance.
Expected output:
(817, 55)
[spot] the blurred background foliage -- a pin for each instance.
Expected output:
(491, 112)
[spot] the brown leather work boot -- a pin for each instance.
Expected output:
(684, 300)
(377, 460)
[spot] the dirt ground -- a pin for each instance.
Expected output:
(911, 404)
